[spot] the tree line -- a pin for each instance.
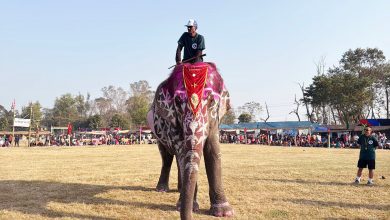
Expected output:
(115, 108)
(356, 88)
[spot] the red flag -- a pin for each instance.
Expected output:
(69, 129)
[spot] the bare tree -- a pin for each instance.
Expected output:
(296, 110)
(266, 108)
(320, 66)
(117, 96)
(252, 108)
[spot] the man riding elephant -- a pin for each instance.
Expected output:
(185, 116)
(192, 42)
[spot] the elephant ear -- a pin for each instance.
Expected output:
(219, 93)
(224, 104)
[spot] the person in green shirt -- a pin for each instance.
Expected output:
(192, 42)
(368, 144)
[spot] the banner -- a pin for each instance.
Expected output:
(21, 122)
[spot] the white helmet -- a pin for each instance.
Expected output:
(191, 23)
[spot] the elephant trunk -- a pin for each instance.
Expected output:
(189, 178)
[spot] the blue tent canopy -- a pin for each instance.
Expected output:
(321, 129)
(271, 125)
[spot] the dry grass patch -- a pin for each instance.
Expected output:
(261, 182)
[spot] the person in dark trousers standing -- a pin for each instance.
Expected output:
(368, 144)
(17, 138)
(192, 42)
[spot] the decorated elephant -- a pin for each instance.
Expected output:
(185, 116)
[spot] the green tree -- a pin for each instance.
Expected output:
(139, 102)
(34, 112)
(6, 119)
(362, 62)
(4, 123)
(120, 121)
(64, 110)
(346, 93)
(228, 118)
(95, 122)
(82, 105)
(47, 117)
(138, 107)
(351, 98)
(103, 107)
(351, 90)
(366, 63)
(318, 96)
(80, 124)
(253, 108)
(245, 117)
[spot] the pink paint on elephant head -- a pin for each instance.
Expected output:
(214, 83)
(172, 111)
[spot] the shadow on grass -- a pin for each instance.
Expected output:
(33, 197)
(339, 204)
(333, 183)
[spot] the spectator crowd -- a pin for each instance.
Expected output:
(80, 139)
(344, 140)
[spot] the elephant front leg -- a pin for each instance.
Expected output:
(179, 181)
(212, 157)
(195, 204)
(163, 182)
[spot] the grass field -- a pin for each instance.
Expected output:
(117, 182)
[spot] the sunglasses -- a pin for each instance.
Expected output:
(189, 27)
(367, 130)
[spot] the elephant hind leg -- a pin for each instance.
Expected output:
(167, 158)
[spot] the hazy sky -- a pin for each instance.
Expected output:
(263, 49)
